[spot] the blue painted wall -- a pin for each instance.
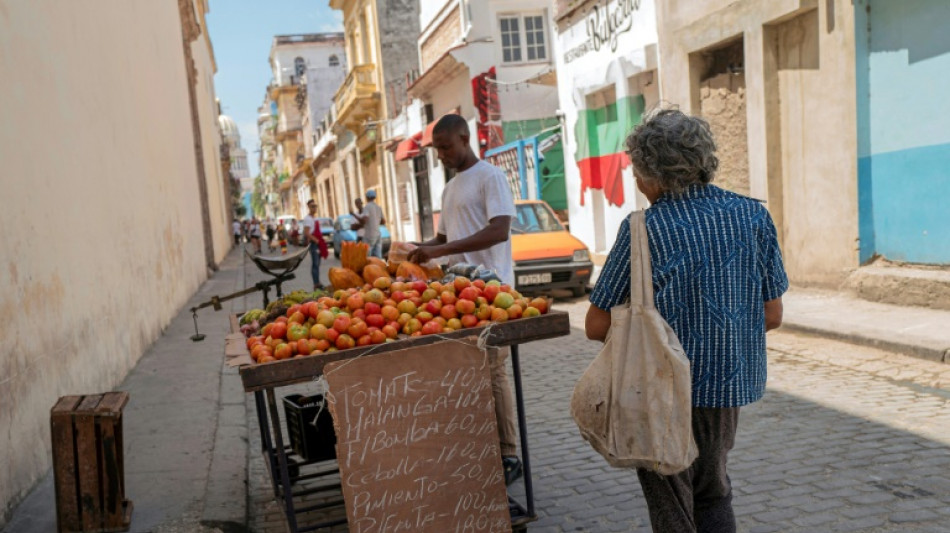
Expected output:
(903, 100)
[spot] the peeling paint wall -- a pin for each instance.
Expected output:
(723, 106)
(102, 228)
(798, 67)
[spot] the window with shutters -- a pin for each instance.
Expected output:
(523, 38)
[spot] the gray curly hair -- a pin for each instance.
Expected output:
(673, 150)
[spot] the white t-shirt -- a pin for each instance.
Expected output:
(374, 216)
(255, 229)
(308, 224)
(236, 227)
(469, 201)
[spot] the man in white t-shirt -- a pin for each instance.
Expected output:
(256, 235)
(370, 218)
(477, 208)
(236, 230)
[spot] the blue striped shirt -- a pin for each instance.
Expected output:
(716, 260)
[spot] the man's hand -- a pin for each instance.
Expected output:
(424, 253)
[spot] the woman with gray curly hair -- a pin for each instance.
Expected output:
(718, 280)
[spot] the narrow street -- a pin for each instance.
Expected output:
(847, 438)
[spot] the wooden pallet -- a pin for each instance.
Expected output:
(88, 463)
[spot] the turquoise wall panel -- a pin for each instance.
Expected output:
(902, 73)
(911, 213)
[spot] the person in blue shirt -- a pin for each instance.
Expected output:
(718, 280)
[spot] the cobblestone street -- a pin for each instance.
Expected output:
(847, 438)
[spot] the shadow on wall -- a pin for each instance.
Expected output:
(921, 28)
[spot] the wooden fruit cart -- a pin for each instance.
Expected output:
(264, 378)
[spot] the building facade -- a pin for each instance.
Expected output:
(776, 81)
(902, 60)
(492, 63)
(380, 48)
(306, 69)
(237, 155)
(136, 168)
(607, 70)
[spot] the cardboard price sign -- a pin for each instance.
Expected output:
(417, 441)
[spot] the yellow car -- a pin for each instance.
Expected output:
(546, 256)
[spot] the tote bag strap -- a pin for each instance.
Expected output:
(641, 273)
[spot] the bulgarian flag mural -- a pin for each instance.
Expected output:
(600, 153)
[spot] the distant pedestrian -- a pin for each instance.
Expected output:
(316, 242)
(370, 220)
(294, 232)
(718, 280)
(236, 229)
(358, 225)
(255, 230)
(282, 238)
(271, 231)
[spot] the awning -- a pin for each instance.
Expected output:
(427, 135)
(408, 148)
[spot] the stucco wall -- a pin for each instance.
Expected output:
(219, 202)
(629, 70)
(102, 230)
(443, 35)
(800, 115)
(903, 63)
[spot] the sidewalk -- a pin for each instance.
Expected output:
(915, 331)
(185, 427)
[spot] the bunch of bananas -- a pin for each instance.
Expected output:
(252, 315)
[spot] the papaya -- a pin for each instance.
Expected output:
(376, 261)
(373, 271)
(411, 271)
(344, 278)
(354, 256)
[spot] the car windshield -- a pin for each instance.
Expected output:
(534, 218)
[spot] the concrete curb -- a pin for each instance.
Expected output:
(916, 350)
(225, 501)
(914, 331)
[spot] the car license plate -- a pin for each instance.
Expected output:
(534, 279)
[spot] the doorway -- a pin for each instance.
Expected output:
(424, 196)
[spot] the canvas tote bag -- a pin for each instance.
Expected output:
(633, 403)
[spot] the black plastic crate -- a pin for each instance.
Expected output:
(311, 443)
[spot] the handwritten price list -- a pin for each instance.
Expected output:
(417, 441)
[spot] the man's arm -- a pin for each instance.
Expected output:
(773, 314)
(597, 323)
(495, 232)
(438, 239)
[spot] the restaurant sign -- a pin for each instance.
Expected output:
(605, 23)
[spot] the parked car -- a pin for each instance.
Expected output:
(342, 231)
(326, 229)
(547, 256)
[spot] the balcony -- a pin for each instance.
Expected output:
(357, 100)
(288, 128)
